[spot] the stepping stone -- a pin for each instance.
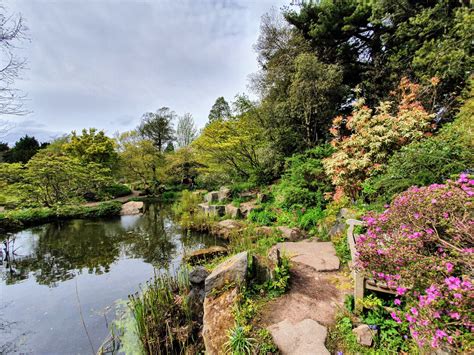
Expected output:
(321, 256)
(303, 338)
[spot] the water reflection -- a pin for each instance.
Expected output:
(58, 251)
(107, 259)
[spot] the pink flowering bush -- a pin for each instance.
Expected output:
(422, 246)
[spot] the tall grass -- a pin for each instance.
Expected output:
(163, 316)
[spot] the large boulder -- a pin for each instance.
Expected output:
(306, 337)
(365, 335)
(205, 254)
(204, 207)
(218, 319)
(212, 196)
(291, 234)
(224, 194)
(131, 208)
(232, 211)
(225, 228)
(231, 271)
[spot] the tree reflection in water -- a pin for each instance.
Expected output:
(56, 252)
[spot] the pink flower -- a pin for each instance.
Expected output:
(449, 267)
(458, 296)
(436, 315)
(397, 302)
(454, 315)
(440, 334)
(401, 291)
(446, 215)
(454, 283)
(395, 317)
(414, 311)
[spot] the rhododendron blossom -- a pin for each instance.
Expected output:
(425, 237)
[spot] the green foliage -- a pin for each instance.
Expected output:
(239, 342)
(343, 251)
(431, 160)
(52, 178)
(23, 150)
(280, 282)
(158, 127)
(220, 110)
(310, 218)
(92, 147)
(304, 182)
(117, 190)
(262, 216)
(233, 150)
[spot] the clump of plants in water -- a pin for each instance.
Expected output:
(190, 216)
(422, 245)
(163, 316)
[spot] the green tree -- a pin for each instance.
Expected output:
(140, 160)
(158, 127)
(52, 178)
(23, 150)
(378, 42)
(92, 146)
(4, 148)
(186, 130)
(220, 110)
(314, 94)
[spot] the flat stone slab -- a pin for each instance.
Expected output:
(321, 256)
(306, 337)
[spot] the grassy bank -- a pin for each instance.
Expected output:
(17, 219)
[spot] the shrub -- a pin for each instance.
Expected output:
(117, 190)
(375, 136)
(310, 218)
(431, 160)
(422, 244)
(304, 182)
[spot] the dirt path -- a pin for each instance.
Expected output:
(312, 301)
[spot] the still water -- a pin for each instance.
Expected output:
(62, 269)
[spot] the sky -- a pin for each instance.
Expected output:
(103, 63)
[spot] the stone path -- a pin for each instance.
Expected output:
(299, 319)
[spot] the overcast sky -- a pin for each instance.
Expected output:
(103, 63)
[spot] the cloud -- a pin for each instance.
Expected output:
(103, 63)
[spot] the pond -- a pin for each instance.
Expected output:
(61, 288)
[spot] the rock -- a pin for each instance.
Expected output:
(291, 234)
(217, 210)
(338, 228)
(203, 254)
(321, 256)
(225, 228)
(247, 207)
(248, 194)
(131, 208)
(233, 270)
(263, 268)
(198, 275)
(340, 225)
(232, 211)
(262, 197)
(204, 207)
(306, 337)
(218, 319)
(365, 335)
(224, 193)
(212, 196)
